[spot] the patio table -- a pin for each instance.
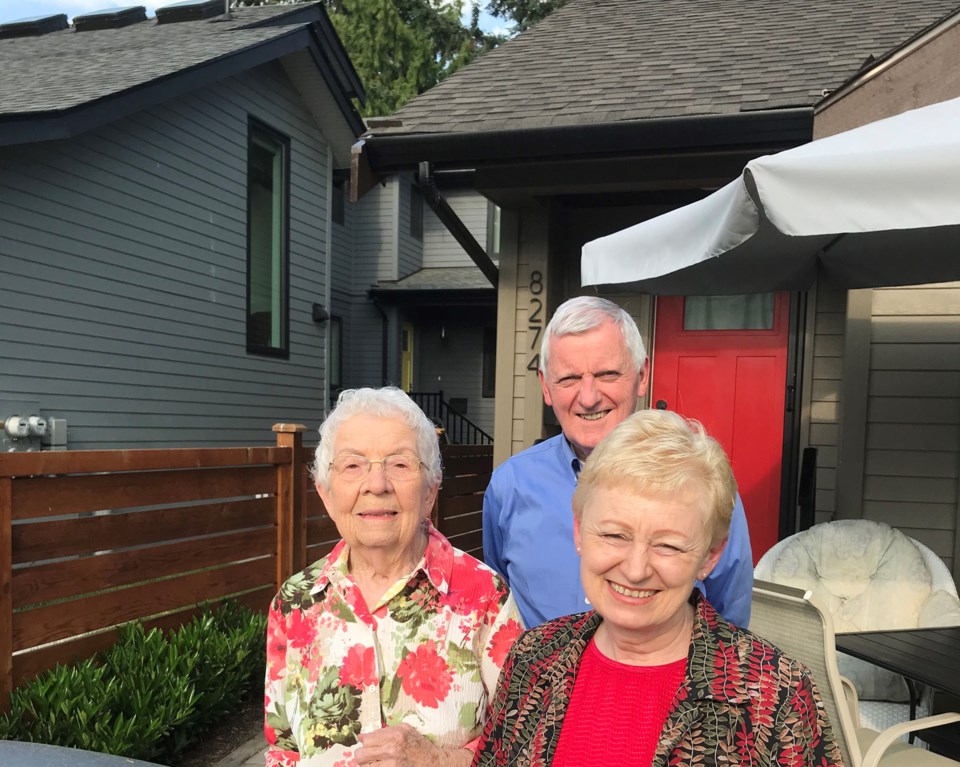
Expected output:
(929, 656)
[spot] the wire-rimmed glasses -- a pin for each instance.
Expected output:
(399, 467)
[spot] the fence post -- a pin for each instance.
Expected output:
(6, 592)
(291, 518)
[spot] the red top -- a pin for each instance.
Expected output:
(616, 712)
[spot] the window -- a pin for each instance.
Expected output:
(416, 213)
(489, 375)
(268, 181)
(338, 205)
(336, 354)
(741, 312)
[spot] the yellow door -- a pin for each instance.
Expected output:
(406, 357)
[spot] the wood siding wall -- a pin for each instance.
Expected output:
(409, 248)
(824, 397)
(123, 258)
(440, 249)
(912, 459)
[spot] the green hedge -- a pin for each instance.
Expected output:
(150, 695)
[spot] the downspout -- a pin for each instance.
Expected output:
(448, 217)
(384, 336)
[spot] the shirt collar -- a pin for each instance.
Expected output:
(436, 563)
(569, 456)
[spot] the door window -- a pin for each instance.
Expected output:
(745, 312)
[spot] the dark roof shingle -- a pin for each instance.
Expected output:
(614, 60)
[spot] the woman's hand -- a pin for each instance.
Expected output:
(402, 746)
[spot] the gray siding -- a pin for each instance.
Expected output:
(439, 247)
(913, 414)
(825, 394)
(123, 258)
(373, 221)
(409, 248)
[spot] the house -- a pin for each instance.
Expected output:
(609, 112)
(166, 248)
(422, 315)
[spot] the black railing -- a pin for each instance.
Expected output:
(459, 429)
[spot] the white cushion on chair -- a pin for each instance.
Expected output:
(870, 577)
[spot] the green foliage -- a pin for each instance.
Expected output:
(400, 48)
(524, 13)
(150, 695)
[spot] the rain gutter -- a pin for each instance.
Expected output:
(374, 156)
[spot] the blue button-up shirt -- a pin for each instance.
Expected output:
(528, 539)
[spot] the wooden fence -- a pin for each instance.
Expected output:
(91, 540)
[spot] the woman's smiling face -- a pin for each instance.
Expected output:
(641, 554)
(376, 511)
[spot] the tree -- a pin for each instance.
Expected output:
(400, 48)
(524, 13)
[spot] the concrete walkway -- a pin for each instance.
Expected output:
(250, 754)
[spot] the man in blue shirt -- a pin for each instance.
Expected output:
(593, 371)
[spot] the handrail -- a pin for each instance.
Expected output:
(459, 429)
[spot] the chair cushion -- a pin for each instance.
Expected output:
(868, 575)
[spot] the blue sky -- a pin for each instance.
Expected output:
(11, 10)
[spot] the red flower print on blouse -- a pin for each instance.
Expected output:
(503, 640)
(425, 675)
(359, 667)
(301, 629)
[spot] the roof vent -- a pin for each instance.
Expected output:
(34, 26)
(190, 10)
(110, 18)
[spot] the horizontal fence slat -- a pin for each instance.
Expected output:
(29, 664)
(50, 496)
(451, 452)
(68, 619)
(63, 580)
(468, 465)
(460, 504)
(468, 542)
(68, 537)
(316, 551)
(321, 529)
(464, 523)
(88, 461)
(464, 485)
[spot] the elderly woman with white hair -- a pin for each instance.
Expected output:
(388, 649)
(653, 675)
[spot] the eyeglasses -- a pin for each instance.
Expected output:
(399, 467)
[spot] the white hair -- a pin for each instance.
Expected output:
(584, 313)
(388, 402)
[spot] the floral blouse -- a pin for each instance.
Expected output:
(428, 654)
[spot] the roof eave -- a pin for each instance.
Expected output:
(25, 128)
(379, 155)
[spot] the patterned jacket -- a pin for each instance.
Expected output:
(742, 701)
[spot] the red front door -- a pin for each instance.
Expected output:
(723, 361)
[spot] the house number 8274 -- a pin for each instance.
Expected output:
(535, 320)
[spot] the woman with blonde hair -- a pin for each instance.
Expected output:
(653, 675)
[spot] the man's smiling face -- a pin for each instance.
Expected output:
(592, 384)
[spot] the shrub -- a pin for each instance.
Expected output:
(148, 696)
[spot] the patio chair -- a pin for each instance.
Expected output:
(791, 619)
(868, 576)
